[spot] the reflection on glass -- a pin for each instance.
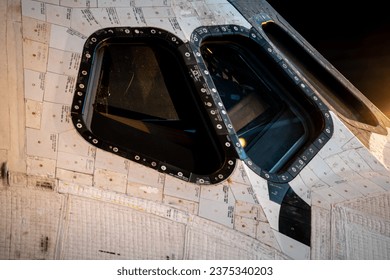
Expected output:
(145, 103)
(271, 127)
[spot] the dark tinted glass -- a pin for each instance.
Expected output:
(270, 125)
(145, 102)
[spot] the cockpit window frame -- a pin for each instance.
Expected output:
(311, 148)
(83, 101)
(209, 100)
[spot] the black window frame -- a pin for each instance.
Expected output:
(84, 112)
(324, 123)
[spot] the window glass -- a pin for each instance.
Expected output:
(131, 84)
(144, 102)
(271, 126)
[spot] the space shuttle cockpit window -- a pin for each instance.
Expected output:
(144, 102)
(140, 103)
(192, 109)
(272, 119)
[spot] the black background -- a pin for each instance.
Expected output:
(353, 35)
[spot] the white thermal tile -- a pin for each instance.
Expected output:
(179, 188)
(35, 55)
(58, 15)
(138, 17)
(319, 201)
(322, 170)
(355, 161)
(66, 39)
(271, 211)
(71, 142)
(219, 212)
(326, 195)
(202, 11)
(132, 17)
(125, 16)
(348, 190)
(227, 14)
(332, 147)
(56, 117)
(84, 21)
(250, 211)
(243, 192)
(75, 163)
(379, 179)
(33, 114)
(114, 3)
(301, 189)
(144, 175)
(80, 3)
(367, 187)
(259, 185)
(354, 143)
(152, 3)
(310, 179)
(150, 193)
(158, 12)
(341, 134)
(109, 161)
(291, 247)
(265, 234)
(34, 85)
(41, 143)
(34, 9)
(182, 204)
(41, 167)
(41, 182)
(339, 166)
(36, 30)
(183, 8)
(188, 24)
(109, 180)
(63, 62)
(108, 17)
(59, 88)
(221, 193)
(74, 177)
(239, 174)
(245, 225)
(169, 24)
